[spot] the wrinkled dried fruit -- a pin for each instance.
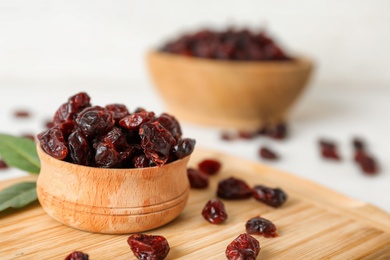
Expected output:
(197, 179)
(209, 166)
(184, 147)
(53, 143)
(233, 188)
(77, 255)
(368, 165)
(119, 111)
(171, 124)
(244, 247)
(134, 121)
(260, 226)
(267, 153)
(214, 212)
(148, 247)
(95, 120)
(79, 149)
(329, 150)
(272, 197)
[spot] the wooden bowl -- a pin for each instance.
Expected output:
(228, 94)
(114, 201)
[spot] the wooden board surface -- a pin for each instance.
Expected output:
(315, 223)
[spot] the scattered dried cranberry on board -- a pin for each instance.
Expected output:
(77, 255)
(148, 246)
(329, 150)
(209, 166)
(3, 165)
(368, 165)
(268, 154)
(272, 197)
(244, 247)
(197, 179)
(365, 161)
(22, 113)
(278, 131)
(261, 226)
(233, 189)
(214, 212)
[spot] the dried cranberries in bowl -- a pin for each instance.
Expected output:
(112, 136)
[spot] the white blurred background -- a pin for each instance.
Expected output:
(105, 41)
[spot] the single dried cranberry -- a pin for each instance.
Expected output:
(214, 211)
(209, 166)
(272, 197)
(148, 247)
(22, 113)
(359, 155)
(64, 113)
(68, 111)
(171, 124)
(267, 153)
(95, 120)
(141, 161)
(3, 165)
(134, 121)
(184, 147)
(53, 143)
(79, 101)
(106, 156)
(49, 123)
(198, 180)
(115, 138)
(278, 131)
(157, 142)
(329, 150)
(119, 111)
(79, 148)
(260, 226)
(368, 165)
(77, 255)
(244, 247)
(233, 188)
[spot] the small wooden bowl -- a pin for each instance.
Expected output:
(228, 94)
(114, 201)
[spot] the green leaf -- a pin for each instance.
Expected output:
(19, 152)
(18, 195)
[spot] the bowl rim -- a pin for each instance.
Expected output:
(118, 170)
(298, 59)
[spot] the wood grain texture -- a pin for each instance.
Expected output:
(315, 223)
(228, 94)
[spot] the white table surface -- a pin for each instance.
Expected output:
(335, 111)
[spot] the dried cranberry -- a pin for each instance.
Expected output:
(79, 149)
(22, 113)
(141, 161)
(115, 138)
(63, 114)
(119, 111)
(148, 246)
(214, 211)
(171, 124)
(198, 180)
(184, 147)
(272, 197)
(77, 255)
(368, 165)
(244, 247)
(329, 150)
(79, 101)
(358, 144)
(134, 121)
(233, 188)
(106, 156)
(260, 226)
(68, 111)
(95, 120)
(278, 131)
(267, 153)
(3, 165)
(209, 166)
(53, 143)
(156, 142)
(29, 136)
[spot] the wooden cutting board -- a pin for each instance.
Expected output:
(315, 223)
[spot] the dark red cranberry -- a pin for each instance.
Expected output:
(358, 144)
(244, 247)
(233, 188)
(267, 153)
(3, 165)
(49, 124)
(95, 121)
(106, 156)
(359, 155)
(29, 136)
(157, 142)
(278, 131)
(53, 143)
(368, 165)
(79, 148)
(134, 121)
(77, 255)
(272, 197)
(197, 179)
(184, 147)
(260, 226)
(329, 150)
(209, 166)
(171, 124)
(119, 111)
(141, 161)
(149, 247)
(214, 212)
(22, 113)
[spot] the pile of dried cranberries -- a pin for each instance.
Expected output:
(112, 137)
(230, 44)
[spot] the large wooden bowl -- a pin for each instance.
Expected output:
(114, 201)
(228, 94)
